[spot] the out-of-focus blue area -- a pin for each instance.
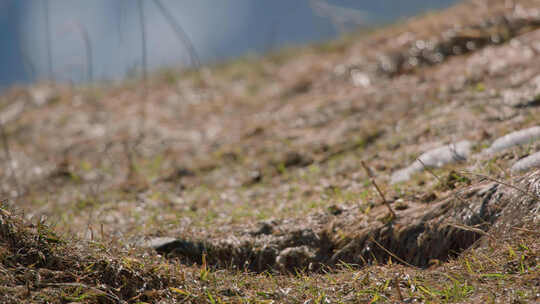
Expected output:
(217, 29)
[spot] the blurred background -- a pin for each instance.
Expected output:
(78, 41)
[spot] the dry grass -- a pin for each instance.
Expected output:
(231, 148)
(39, 266)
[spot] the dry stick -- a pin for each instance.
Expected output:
(142, 23)
(456, 194)
(7, 152)
(88, 49)
(526, 230)
(534, 196)
(471, 229)
(506, 174)
(143, 39)
(372, 179)
(131, 164)
(428, 169)
(48, 40)
(28, 65)
(391, 253)
(180, 33)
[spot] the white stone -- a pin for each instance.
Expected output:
(514, 139)
(529, 162)
(434, 158)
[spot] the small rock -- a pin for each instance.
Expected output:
(158, 242)
(360, 79)
(178, 247)
(434, 158)
(529, 162)
(514, 139)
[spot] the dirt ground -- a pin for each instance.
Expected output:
(258, 180)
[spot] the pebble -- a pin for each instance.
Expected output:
(434, 158)
(513, 139)
(529, 162)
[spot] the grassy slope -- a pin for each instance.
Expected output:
(208, 154)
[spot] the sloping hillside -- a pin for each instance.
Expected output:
(393, 165)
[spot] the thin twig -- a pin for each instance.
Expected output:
(506, 174)
(526, 230)
(142, 23)
(372, 179)
(88, 49)
(428, 169)
(534, 196)
(455, 194)
(48, 40)
(180, 33)
(29, 66)
(471, 229)
(129, 156)
(390, 253)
